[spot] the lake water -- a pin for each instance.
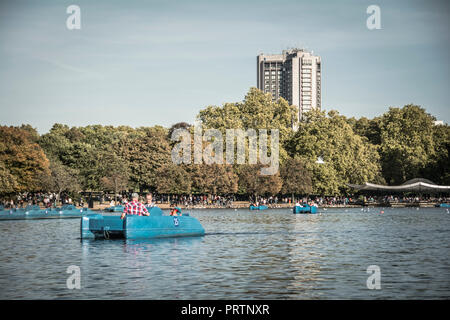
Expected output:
(271, 254)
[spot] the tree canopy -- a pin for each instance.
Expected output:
(256, 111)
(406, 143)
(348, 157)
(22, 161)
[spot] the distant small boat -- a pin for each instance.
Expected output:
(117, 208)
(261, 207)
(305, 208)
(97, 226)
(443, 205)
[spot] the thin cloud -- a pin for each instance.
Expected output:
(71, 68)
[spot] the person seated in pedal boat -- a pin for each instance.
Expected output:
(175, 212)
(150, 204)
(134, 207)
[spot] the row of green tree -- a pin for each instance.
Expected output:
(401, 144)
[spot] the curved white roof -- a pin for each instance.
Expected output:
(416, 186)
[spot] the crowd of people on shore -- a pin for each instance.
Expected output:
(47, 200)
(393, 199)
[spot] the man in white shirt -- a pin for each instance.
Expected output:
(149, 204)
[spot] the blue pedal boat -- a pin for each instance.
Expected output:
(20, 213)
(444, 205)
(34, 212)
(258, 207)
(97, 226)
(305, 208)
(115, 209)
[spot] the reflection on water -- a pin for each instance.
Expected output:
(271, 254)
(304, 258)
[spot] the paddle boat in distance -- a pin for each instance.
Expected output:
(305, 208)
(29, 212)
(443, 205)
(97, 226)
(117, 208)
(67, 211)
(260, 207)
(70, 211)
(34, 212)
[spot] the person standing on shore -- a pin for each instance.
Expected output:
(134, 207)
(150, 204)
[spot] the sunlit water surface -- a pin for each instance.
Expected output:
(271, 254)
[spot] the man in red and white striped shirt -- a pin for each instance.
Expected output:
(134, 207)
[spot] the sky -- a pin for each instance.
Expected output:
(145, 63)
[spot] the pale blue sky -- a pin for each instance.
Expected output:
(142, 63)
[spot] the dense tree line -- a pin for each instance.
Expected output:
(401, 144)
(409, 144)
